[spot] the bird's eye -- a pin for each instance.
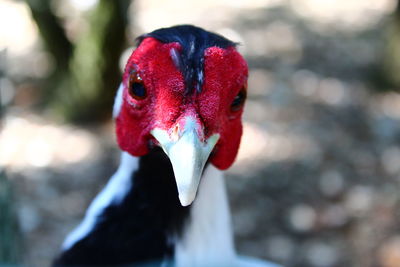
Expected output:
(238, 101)
(136, 87)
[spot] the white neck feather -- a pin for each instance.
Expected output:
(207, 239)
(118, 101)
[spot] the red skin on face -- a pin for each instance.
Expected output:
(225, 74)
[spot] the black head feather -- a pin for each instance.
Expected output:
(194, 41)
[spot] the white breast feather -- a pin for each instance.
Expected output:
(207, 239)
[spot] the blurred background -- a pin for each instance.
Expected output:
(317, 179)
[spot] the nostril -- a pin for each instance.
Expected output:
(175, 132)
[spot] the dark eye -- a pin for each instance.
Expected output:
(239, 99)
(136, 87)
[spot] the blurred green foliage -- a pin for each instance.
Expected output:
(391, 57)
(9, 234)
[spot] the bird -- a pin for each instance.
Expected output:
(178, 123)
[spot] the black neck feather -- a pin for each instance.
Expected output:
(140, 228)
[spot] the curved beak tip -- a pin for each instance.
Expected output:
(186, 200)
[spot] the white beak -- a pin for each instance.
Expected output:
(188, 155)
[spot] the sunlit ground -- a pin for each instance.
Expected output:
(317, 179)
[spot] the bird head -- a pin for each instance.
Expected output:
(183, 89)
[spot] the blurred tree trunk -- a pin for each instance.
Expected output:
(391, 58)
(51, 32)
(87, 73)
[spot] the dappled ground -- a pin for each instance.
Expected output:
(317, 180)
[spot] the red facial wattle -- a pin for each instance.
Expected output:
(167, 100)
(225, 75)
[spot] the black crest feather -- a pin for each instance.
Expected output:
(194, 41)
